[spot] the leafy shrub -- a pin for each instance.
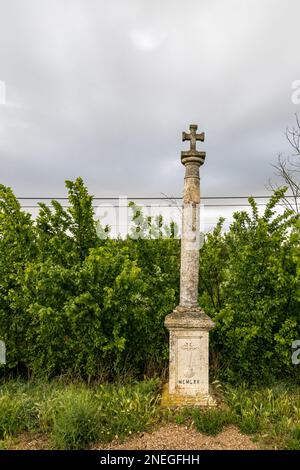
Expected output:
(73, 303)
(251, 289)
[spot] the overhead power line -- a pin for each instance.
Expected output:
(147, 198)
(158, 206)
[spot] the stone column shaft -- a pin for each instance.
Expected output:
(189, 271)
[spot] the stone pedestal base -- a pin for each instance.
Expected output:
(189, 355)
(176, 400)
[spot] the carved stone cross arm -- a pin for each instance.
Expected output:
(193, 136)
(193, 155)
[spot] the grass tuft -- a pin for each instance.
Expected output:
(211, 422)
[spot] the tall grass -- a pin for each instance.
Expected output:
(271, 416)
(271, 413)
(76, 415)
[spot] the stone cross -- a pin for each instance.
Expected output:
(188, 345)
(193, 137)
(188, 324)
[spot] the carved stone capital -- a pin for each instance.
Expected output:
(188, 317)
(192, 157)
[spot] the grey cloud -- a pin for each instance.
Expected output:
(104, 89)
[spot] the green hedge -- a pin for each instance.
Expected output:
(250, 285)
(73, 302)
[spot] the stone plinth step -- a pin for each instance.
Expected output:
(177, 400)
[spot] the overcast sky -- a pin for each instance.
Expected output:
(103, 89)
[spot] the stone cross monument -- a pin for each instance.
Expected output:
(188, 325)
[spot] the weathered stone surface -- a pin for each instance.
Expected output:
(188, 325)
(176, 400)
(189, 317)
(188, 365)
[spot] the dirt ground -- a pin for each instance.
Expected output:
(27, 442)
(174, 437)
(168, 437)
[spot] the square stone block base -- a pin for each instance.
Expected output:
(188, 364)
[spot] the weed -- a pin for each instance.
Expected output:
(212, 422)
